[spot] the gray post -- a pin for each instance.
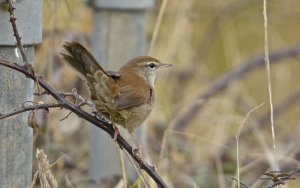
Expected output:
(15, 134)
(118, 35)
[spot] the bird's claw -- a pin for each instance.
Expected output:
(116, 133)
(137, 152)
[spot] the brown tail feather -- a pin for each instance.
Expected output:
(79, 58)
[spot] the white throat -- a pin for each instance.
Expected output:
(151, 79)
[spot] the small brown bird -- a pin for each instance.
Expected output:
(125, 97)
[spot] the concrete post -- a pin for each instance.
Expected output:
(15, 134)
(118, 35)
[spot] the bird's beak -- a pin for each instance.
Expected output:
(165, 65)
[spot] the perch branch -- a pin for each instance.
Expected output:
(186, 116)
(106, 126)
(29, 108)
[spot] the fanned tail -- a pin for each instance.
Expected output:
(79, 58)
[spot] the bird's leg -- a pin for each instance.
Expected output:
(136, 149)
(116, 129)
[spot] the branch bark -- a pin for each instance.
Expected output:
(29, 108)
(13, 19)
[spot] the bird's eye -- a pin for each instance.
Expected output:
(152, 65)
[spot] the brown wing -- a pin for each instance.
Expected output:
(129, 97)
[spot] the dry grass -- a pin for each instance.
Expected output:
(203, 40)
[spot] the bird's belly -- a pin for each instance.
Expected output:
(129, 118)
(136, 116)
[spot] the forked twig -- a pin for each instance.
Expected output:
(239, 181)
(30, 108)
(283, 179)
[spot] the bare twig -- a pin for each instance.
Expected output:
(239, 181)
(66, 116)
(283, 179)
(106, 126)
(13, 19)
(82, 101)
(29, 108)
(15, 29)
(186, 116)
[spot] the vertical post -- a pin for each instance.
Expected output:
(118, 35)
(15, 134)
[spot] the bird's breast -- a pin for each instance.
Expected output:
(137, 115)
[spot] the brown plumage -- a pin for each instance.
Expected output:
(125, 97)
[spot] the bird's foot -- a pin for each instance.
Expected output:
(116, 133)
(137, 152)
(98, 115)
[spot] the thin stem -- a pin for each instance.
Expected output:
(267, 62)
(30, 108)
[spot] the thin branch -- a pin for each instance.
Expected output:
(13, 19)
(186, 116)
(15, 29)
(66, 116)
(285, 178)
(106, 126)
(239, 181)
(82, 101)
(30, 108)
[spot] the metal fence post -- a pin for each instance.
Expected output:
(118, 35)
(15, 89)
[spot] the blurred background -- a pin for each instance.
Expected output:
(218, 75)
